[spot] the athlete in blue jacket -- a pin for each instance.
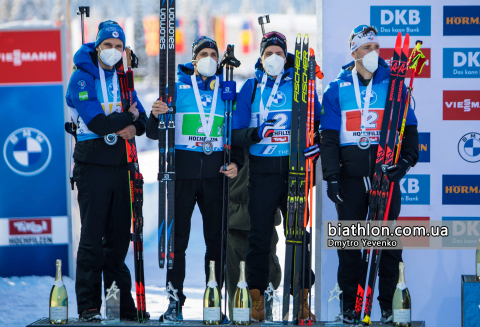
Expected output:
(101, 170)
(198, 159)
(348, 166)
(261, 122)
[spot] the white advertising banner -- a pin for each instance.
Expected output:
(445, 183)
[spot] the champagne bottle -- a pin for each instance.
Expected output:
(478, 262)
(401, 301)
(242, 302)
(211, 300)
(58, 298)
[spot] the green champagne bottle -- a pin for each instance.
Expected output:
(242, 302)
(58, 298)
(402, 304)
(211, 300)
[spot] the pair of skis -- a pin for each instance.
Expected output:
(381, 191)
(166, 146)
(135, 180)
(298, 184)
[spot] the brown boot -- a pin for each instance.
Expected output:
(305, 313)
(258, 305)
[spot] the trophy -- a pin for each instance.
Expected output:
(175, 318)
(272, 307)
(335, 307)
(112, 305)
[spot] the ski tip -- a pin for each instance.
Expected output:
(306, 38)
(398, 43)
(299, 38)
(406, 45)
(312, 53)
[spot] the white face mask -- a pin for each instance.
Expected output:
(206, 66)
(370, 61)
(274, 65)
(110, 56)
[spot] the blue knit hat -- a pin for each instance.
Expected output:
(109, 29)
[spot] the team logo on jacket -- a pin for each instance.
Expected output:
(207, 101)
(469, 147)
(212, 85)
(373, 97)
(81, 84)
(279, 99)
(27, 151)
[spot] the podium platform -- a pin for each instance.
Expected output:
(189, 323)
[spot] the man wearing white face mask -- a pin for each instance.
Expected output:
(101, 171)
(199, 148)
(261, 122)
(348, 165)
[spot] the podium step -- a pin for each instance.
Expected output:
(187, 323)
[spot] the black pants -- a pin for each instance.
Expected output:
(267, 192)
(207, 193)
(104, 202)
(355, 207)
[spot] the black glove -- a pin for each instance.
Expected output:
(396, 172)
(334, 191)
(312, 152)
(266, 130)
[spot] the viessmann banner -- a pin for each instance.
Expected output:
(33, 193)
(446, 98)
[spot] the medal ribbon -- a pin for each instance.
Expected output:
(206, 124)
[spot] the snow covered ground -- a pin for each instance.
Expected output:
(23, 300)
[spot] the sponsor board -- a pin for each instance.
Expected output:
(423, 147)
(469, 147)
(390, 20)
(464, 231)
(461, 189)
(414, 222)
(36, 61)
(461, 62)
(33, 231)
(461, 20)
(461, 105)
(387, 55)
(415, 189)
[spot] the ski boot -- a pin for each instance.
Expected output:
(173, 313)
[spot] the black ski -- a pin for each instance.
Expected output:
(136, 185)
(374, 192)
(166, 127)
(294, 229)
(382, 211)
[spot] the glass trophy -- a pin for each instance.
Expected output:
(272, 307)
(112, 305)
(335, 308)
(174, 317)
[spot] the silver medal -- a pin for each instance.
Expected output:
(207, 147)
(364, 142)
(110, 139)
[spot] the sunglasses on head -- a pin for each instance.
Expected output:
(359, 29)
(273, 34)
(201, 38)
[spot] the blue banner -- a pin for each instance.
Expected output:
(461, 62)
(415, 189)
(461, 189)
(33, 147)
(461, 20)
(389, 20)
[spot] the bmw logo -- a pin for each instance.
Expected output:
(27, 151)
(206, 101)
(469, 147)
(279, 99)
(373, 97)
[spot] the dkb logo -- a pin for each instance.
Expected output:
(415, 189)
(461, 63)
(415, 20)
